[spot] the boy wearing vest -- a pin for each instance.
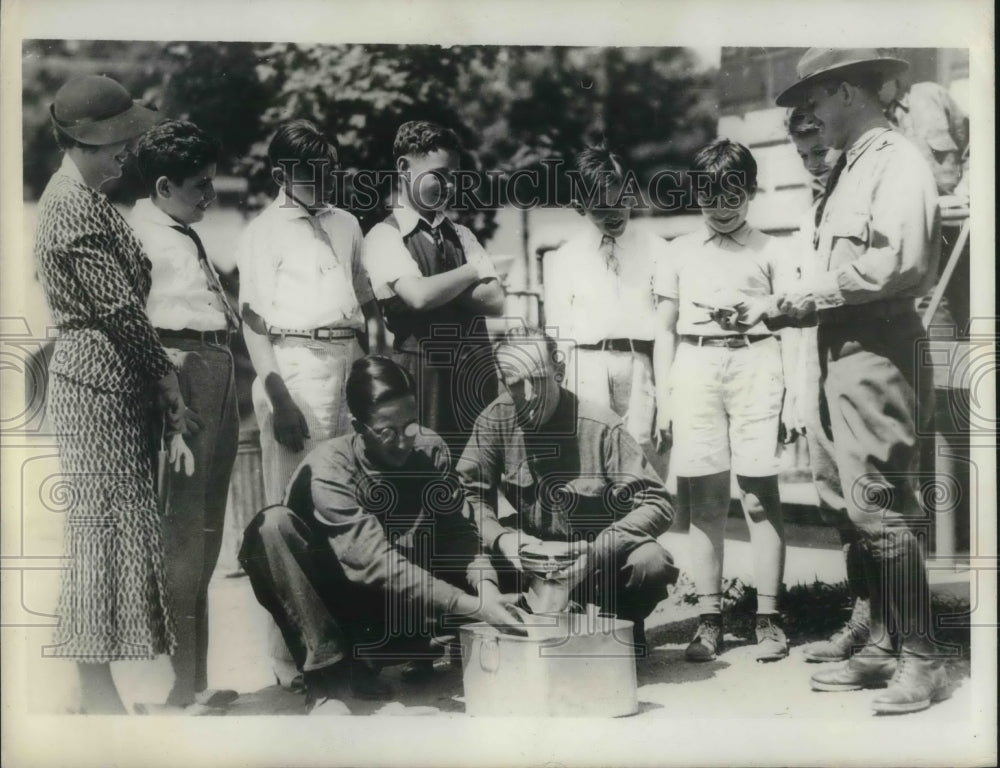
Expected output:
(436, 286)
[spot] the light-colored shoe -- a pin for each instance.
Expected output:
(707, 640)
(919, 682)
(772, 644)
(872, 667)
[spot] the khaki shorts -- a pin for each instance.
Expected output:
(726, 407)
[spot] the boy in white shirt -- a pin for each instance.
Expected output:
(194, 321)
(601, 300)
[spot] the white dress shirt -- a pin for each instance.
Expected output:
(597, 290)
(300, 271)
(179, 297)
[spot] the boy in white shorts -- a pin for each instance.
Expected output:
(720, 388)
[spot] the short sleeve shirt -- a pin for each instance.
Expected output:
(704, 267)
(387, 259)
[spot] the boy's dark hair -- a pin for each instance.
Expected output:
(300, 141)
(802, 123)
(420, 137)
(727, 159)
(176, 149)
(374, 380)
(600, 165)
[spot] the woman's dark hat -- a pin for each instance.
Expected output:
(825, 63)
(96, 110)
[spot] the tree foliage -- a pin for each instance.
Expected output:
(513, 107)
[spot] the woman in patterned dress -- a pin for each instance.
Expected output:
(107, 370)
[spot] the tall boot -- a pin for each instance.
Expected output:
(846, 640)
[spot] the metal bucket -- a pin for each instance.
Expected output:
(569, 665)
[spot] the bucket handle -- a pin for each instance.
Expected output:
(489, 655)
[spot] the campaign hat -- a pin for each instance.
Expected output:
(819, 64)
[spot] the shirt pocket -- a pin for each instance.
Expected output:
(850, 234)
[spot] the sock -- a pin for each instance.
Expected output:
(711, 603)
(767, 604)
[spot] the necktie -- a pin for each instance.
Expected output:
(439, 244)
(838, 169)
(232, 318)
(322, 235)
(608, 252)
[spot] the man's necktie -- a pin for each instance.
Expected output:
(838, 169)
(232, 317)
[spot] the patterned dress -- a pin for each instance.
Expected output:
(112, 604)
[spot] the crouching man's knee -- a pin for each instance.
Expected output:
(270, 526)
(650, 566)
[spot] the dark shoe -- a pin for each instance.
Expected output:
(919, 681)
(771, 641)
(842, 643)
(366, 685)
(639, 639)
(417, 671)
(216, 697)
(871, 667)
(707, 641)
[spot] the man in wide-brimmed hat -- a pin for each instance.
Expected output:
(877, 244)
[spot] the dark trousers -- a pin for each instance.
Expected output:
(629, 582)
(323, 616)
(196, 505)
(455, 381)
(878, 406)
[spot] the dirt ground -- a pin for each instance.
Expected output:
(732, 686)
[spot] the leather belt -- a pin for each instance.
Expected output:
(316, 334)
(733, 341)
(220, 338)
(642, 346)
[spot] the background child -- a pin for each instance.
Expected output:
(601, 300)
(727, 386)
(436, 286)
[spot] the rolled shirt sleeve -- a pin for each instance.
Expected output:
(386, 260)
(666, 280)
